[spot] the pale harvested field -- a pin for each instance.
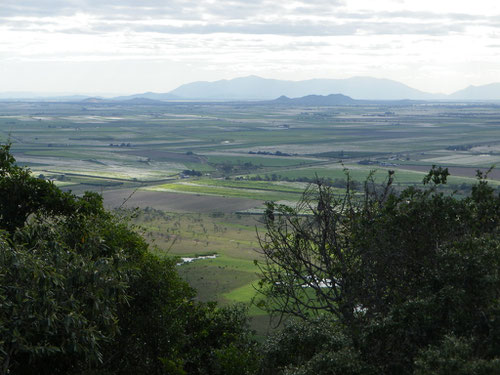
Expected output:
(465, 159)
(177, 202)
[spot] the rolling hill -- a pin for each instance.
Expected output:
(484, 92)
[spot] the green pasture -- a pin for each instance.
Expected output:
(64, 183)
(245, 189)
(255, 185)
(246, 294)
(227, 278)
(178, 234)
(200, 167)
(356, 172)
(360, 173)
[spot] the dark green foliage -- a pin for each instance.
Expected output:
(59, 306)
(225, 331)
(454, 357)
(61, 279)
(312, 347)
(191, 172)
(81, 294)
(397, 272)
(152, 325)
(22, 194)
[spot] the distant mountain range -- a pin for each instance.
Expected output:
(262, 89)
(256, 88)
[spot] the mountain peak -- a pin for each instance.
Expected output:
(490, 91)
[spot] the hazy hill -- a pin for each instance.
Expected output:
(137, 100)
(148, 95)
(140, 101)
(485, 92)
(257, 88)
(317, 100)
(27, 97)
(94, 100)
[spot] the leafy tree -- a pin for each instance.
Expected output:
(81, 294)
(454, 356)
(153, 322)
(58, 306)
(21, 194)
(397, 272)
(226, 335)
(315, 346)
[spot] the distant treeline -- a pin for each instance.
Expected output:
(191, 172)
(277, 153)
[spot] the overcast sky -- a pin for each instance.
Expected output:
(129, 46)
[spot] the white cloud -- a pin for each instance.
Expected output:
(406, 40)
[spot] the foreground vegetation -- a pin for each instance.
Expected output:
(387, 282)
(81, 293)
(393, 283)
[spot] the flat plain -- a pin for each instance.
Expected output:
(200, 172)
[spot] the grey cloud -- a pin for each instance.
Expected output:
(303, 28)
(431, 16)
(224, 9)
(235, 16)
(435, 29)
(149, 8)
(411, 15)
(291, 29)
(286, 28)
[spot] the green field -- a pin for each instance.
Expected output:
(259, 190)
(229, 277)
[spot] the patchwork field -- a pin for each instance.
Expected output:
(198, 170)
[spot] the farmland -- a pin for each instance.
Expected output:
(201, 172)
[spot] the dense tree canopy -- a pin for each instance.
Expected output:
(81, 294)
(406, 277)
